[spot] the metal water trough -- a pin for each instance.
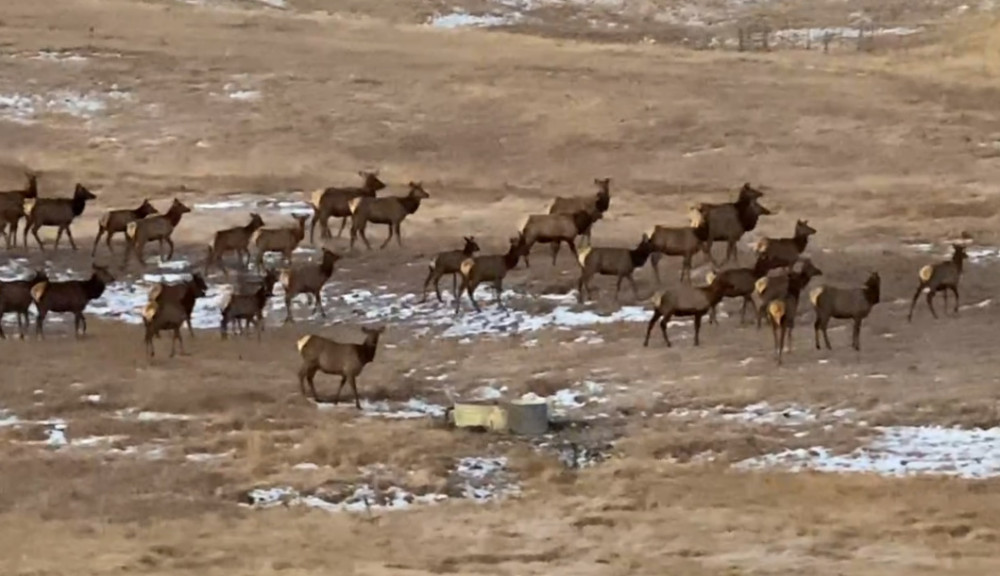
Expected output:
(525, 417)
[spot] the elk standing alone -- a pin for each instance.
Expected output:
(845, 303)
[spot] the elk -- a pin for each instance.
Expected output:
(596, 205)
(686, 300)
(116, 221)
(450, 263)
(781, 310)
(163, 315)
(683, 241)
(12, 208)
(618, 262)
(775, 285)
(730, 221)
(58, 212)
(845, 303)
(335, 202)
(308, 279)
(325, 355)
(15, 296)
(235, 239)
(185, 294)
(940, 277)
(248, 307)
(69, 296)
(783, 252)
(389, 211)
(488, 268)
(284, 240)
(555, 229)
(157, 227)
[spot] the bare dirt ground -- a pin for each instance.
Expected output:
(880, 150)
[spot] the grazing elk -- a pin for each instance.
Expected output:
(389, 211)
(450, 263)
(235, 239)
(335, 202)
(57, 212)
(618, 262)
(69, 296)
(845, 303)
(325, 355)
(940, 277)
(158, 228)
(728, 222)
(596, 205)
(116, 221)
(12, 208)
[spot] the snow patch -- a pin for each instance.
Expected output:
(900, 451)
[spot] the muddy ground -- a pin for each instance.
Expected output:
(682, 460)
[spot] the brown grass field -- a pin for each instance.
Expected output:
(880, 149)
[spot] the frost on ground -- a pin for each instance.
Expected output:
(412, 408)
(466, 20)
(477, 479)
(250, 202)
(763, 413)
(900, 451)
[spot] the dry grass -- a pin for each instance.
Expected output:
(874, 149)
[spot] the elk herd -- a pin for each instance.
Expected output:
(771, 287)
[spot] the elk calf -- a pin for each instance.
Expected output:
(321, 354)
(235, 239)
(618, 262)
(335, 202)
(308, 279)
(596, 205)
(69, 296)
(389, 211)
(685, 301)
(845, 303)
(940, 277)
(15, 296)
(450, 263)
(157, 227)
(488, 268)
(284, 240)
(58, 212)
(116, 221)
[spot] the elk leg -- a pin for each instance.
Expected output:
(34, 232)
(93, 251)
(319, 303)
(618, 287)
(930, 302)
(816, 326)
(572, 248)
(555, 251)
(944, 292)
(399, 234)
(288, 308)
(856, 335)
(364, 237)
(59, 232)
(686, 268)
(663, 329)
(354, 386)
(654, 260)
(498, 288)
(38, 323)
(343, 224)
(826, 337)
(781, 343)
(310, 376)
(387, 238)
(743, 310)
(635, 290)
(475, 305)
(343, 380)
(711, 314)
(697, 329)
(170, 243)
(954, 290)
(913, 303)
(190, 329)
(69, 234)
(649, 328)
